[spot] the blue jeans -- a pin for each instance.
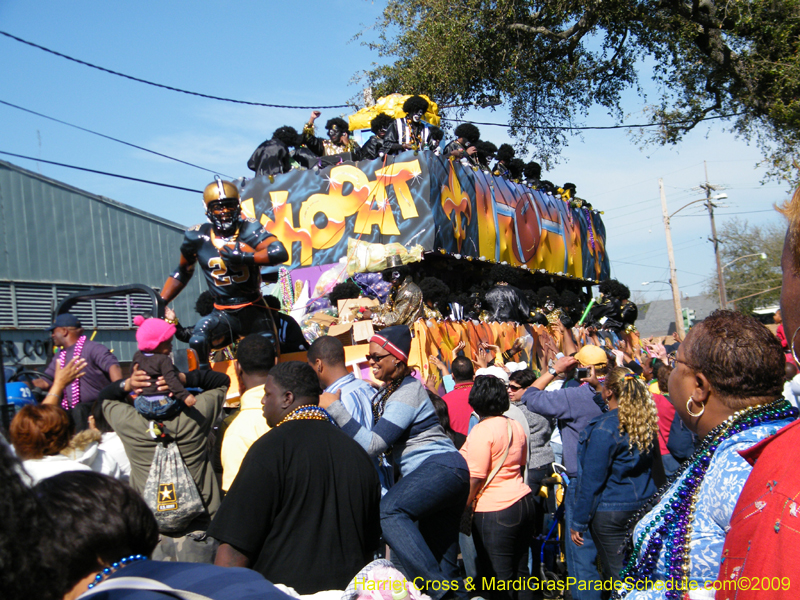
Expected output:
(581, 560)
(609, 528)
(502, 539)
(420, 517)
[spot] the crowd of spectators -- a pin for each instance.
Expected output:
(323, 472)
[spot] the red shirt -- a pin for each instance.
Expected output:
(666, 413)
(458, 406)
(764, 530)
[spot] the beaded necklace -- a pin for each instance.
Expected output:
(115, 567)
(379, 401)
(590, 228)
(308, 412)
(72, 394)
(671, 529)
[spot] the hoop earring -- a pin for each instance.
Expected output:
(688, 410)
(792, 346)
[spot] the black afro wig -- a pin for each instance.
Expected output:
(614, 289)
(287, 135)
(547, 186)
(340, 123)
(434, 290)
(547, 293)
(380, 122)
(533, 171)
(506, 274)
(344, 291)
(486, 149)
(505, 153)
(515, 167)
(469, 132)
(414, 104)
(436, 133)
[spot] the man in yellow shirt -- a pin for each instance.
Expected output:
(255, 356)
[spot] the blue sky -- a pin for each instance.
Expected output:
(301, 54)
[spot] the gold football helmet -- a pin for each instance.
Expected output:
(222, 205)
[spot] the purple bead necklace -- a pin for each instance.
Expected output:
(670, 531)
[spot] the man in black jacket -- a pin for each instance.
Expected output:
(273, 157)
(377, 146)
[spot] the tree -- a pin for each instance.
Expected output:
(753, 274)
(552, 60)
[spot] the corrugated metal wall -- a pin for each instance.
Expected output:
(52, 233)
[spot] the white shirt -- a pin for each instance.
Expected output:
(37, 469)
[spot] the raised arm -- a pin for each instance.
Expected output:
(178, 280)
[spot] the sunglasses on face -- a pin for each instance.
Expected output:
(514, 388)
(377, 357)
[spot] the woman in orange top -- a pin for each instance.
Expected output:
(504, 514)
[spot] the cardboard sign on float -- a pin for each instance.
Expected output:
(361, 331)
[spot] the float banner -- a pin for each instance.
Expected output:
(420, 198)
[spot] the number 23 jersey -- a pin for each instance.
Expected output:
(225, 281)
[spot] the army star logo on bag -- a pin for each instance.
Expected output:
(166, 497)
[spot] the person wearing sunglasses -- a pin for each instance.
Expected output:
(420, 514)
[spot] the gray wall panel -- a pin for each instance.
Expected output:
(53, 233)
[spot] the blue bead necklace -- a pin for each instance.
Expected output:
(115, 567)
(670, 531)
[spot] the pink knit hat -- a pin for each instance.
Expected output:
(152, 332)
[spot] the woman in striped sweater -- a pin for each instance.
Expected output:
(420, 514)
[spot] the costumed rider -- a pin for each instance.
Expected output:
(338, 143)
(504, 155)
(505, 301)
(435, 140)
(613, 311)
(273, 157)
(376, 146)
(404, 305)
(533, 174)
(435, 293)
(463, 147)
(485, 154)
(230, 250)
(411, 132)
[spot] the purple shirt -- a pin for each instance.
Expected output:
(95, 377)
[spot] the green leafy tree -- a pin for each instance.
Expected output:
(552, 60)
(753, 274)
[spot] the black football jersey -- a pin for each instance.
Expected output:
(225, 281)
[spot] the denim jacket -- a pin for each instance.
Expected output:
(611, 476)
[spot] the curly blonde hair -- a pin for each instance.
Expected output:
(637, 411)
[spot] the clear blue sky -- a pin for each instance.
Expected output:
(301, 53)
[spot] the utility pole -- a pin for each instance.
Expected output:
(673, 274)
(723, 301)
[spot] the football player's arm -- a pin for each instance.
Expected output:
(271, 252)
(178, 280)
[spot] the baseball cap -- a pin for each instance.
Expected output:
(65, 320)
(591, 355)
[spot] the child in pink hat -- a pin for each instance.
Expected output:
(154, 338)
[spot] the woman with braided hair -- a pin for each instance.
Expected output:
(615, 454)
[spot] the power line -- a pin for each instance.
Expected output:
(724, 214)
(590, 127)
(113, 139)
(50, 162)
(160, 85)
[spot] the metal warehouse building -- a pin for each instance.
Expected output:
(57, 240)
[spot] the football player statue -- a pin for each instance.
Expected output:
(230, 250)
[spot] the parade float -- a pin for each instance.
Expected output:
(348, 218)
